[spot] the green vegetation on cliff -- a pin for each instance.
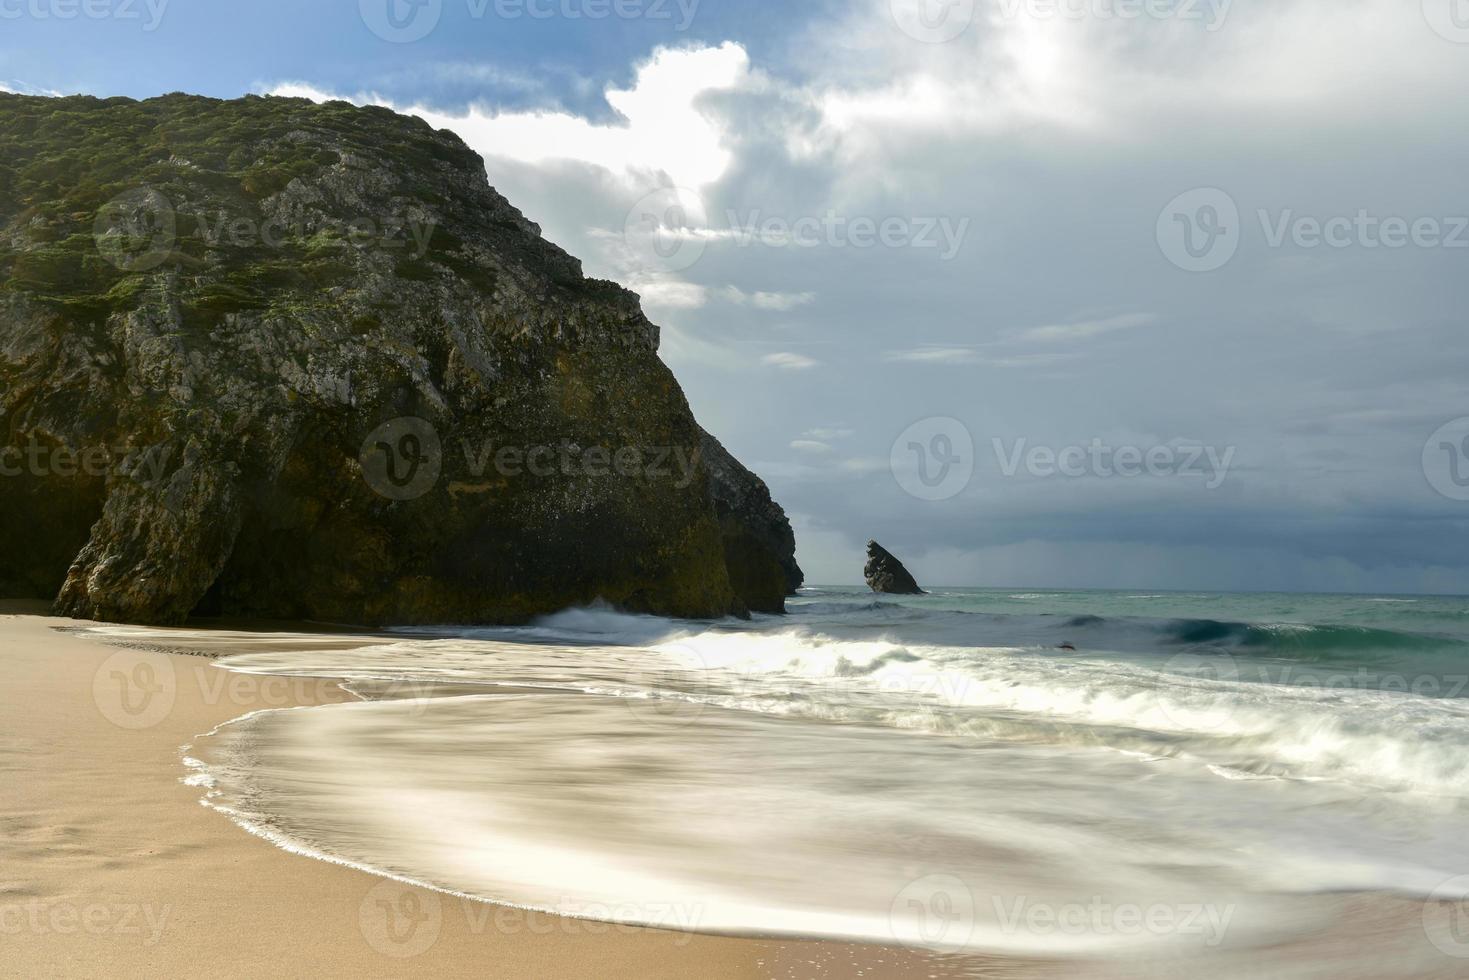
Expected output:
(256, 315)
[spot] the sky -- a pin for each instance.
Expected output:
(1139, 294)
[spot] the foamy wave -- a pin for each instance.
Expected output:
(1376, 738)
(885, 754)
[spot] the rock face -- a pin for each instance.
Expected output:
(270, 358)
(759, 545)
(886, 574)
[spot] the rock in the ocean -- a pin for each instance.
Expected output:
(886, 574)
(270, 358)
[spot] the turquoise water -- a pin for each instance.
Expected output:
(923, 770)
(1356, 640)
(1450, 614)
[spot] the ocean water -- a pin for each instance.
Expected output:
(1203, 779)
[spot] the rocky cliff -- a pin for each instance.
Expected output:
(264, 357)
(756, 531)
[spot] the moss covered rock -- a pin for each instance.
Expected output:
(266, 357)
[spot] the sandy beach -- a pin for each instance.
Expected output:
(111, 866)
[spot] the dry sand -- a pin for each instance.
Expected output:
(111, 867)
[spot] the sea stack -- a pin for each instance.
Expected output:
(885, 574)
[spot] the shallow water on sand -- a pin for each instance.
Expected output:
(932, 772)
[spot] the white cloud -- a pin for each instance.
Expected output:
(777, 302)
(21, 88)
(788, 361)
(1022, 64)
(1083, 329)
(959, 356)
(935, 355)
(670, 293)
(1002, 354)
(867, 464)
(663, 138)
(810, 446)
(662, 130)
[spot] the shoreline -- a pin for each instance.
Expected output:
(115, 862)
(114, 865)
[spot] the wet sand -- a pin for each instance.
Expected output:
(111, 867)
